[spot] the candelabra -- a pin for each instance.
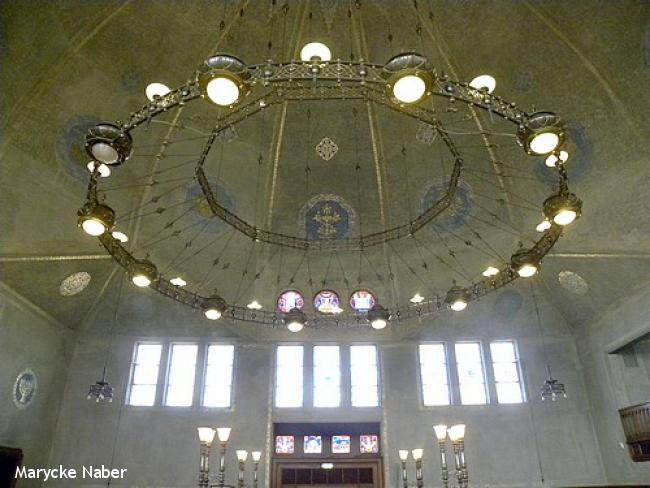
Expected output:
(206, 437)
(456, 435)
(417, 457)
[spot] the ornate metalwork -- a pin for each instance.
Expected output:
(274, 83)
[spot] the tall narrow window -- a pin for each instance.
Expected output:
(471, 375)
(364, 378)
(146, 362)
(217, 384)
(289, 376)
(327, 376)
(434, 374)
(180, 380)
(505, 362)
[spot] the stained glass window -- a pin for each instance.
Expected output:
(284, 444)
(289, 300)
(313, 444)
(362, 300)
(327, 301)
(340, 444)
(368, 444)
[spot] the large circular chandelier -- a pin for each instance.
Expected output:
(405, 85)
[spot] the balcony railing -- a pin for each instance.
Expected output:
(636, 425)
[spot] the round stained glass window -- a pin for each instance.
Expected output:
(327, 301)
(289, 300)
(362, 300)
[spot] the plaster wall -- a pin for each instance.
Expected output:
(506, 444)
(29, 339)
(611, 385)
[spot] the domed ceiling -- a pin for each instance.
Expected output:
(324, 170)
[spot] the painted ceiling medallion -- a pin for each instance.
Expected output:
(573, 282)
(24, 388)
(326, 148)
(226, 135)
(75, 283)
(425, 133)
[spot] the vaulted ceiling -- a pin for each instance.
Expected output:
(70, 64)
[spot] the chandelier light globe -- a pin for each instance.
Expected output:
(484, 83)
(103, 170)
(295, 320)
(543, 226)
(409, 78)
(95, 219)
(552, 160)
(178, 281)
(256, 455)
(222, 91)
(403, 455)
(214, 307)
(108, 144)
(120, 236)
(105, 153)
(143, 273)
(206, 435)
(490, 271)
(563, 209)
(378, 317)
(409, 89)
(525, 263)
(440, 431)
(254, 305)
(223, 433)
(242, 455)
(457, 432)
(457, 299)
(222, 79)
(541, 134)
(315, 51)
(417, 454)
(154, 90)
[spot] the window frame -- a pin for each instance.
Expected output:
(484, 371)
(377, 369)
(134, 354)
(275, 374)
(313, 375)
(170, 349)
(202, 386)
(520, 374)
(450, 388)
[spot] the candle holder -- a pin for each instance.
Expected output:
(206, 438)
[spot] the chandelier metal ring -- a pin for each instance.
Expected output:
(335, 80)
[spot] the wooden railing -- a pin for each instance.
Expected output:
(636, 425)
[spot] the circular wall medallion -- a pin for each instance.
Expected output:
(70, 151)
(461, 207)
(289, 300)
(75, 283)
(327, 301)
(24, 388)
(326, 217)
(201, 209)
(362, 300)
(573, 282)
